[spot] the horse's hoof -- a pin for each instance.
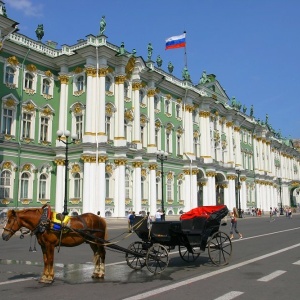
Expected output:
(95, 275)
(47, 281)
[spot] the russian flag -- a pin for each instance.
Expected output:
(174, 42)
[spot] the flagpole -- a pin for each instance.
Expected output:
(185, 56)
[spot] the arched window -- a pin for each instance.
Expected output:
(77, 186)
(28, 81)
(5, 184)
(24, 186)
(9, 75)
(43, 187)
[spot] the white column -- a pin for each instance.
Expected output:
(137, 186)
(86, 183)
(119, 199)
(205, 134)
(187, 189)
(119, 139)
(238, 153)
(136, 109)
(153, 198)
(194, 189)
(99, 200)
(211, 186)
(60, 187)
(89, 101)
(230, 142)
(151, 116)
(63, 102)
(102, 96)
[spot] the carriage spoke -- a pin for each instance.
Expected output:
(220, 248)
(133, 261)
(157, 258)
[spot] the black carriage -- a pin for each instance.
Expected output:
(197, 230)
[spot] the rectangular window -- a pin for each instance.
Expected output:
(7, 120)
(26, 125)
(79, 127)
(5, 185)
(44, 129)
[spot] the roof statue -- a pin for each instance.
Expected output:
(170, 67)
(233, 102)
(159, 61)
(102, 25)
(204, 78)
(122, 50)
(39, 32)
(251, 111)
(150, 50)
(244, 109)
(133, 52)
(4, 11)
(185, 74)
(267, 119)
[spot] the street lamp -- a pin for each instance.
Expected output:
(74, 137)
(280, 195)
(238, 171)
(162, 156)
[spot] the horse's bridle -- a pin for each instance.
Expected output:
(10, 229)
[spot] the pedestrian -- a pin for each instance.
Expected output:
(98, 212)
(128, 219)
(271, 215)
(131, 219)
(290, 213)
(233, 223)
(149, 220)
(158, 215)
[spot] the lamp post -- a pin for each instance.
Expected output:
(66, 133)
(238, 171)
(162, 156)
(280, 195)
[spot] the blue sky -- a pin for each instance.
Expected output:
(252, 46)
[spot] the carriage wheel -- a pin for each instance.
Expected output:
(157, 258)
(220, 248)
(189, 256)
(133, 261)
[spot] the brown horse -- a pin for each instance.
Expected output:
(87, 228)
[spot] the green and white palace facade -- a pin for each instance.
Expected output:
(124, 109)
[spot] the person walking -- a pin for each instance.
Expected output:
(233, 223)
(131, 219)
(158, 215)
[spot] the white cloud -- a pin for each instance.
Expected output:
(28, 7)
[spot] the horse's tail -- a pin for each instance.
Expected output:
(105, 232)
